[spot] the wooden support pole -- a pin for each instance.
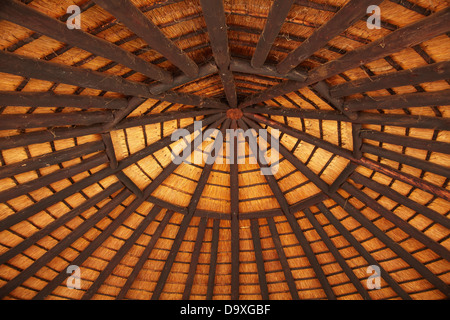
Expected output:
(342, 177)
(353, 11)
(214, 14)
(254, 227)
(213, 259)
(407, 100)
(429, 73)
(30, 18)
(109, 149)
(244, 66)
(357, 140)
(136, 21)
(277, 14)
(323, 90)
(127, 182)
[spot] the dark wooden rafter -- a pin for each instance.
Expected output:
(323, 91)
(429, 73)
(413, 34)
(392, 245)
(145, 255)
(397, 221)
(184, 224)
(290, 215)
(254, 227)
(61, 245)
(141, 25)
(275, 19)
(109, 150)
(401, 199)
(342, 177)
(407, 100)
(48, 179)
(426, 165)
(283, 260)
(411, 121)
(343, 19)
(357, 140)
(124, 249)
(127, 182)
(213, 259)
(337, 255)
(371, 164)
(195, 256)
(55, 72)
(214, 14)
(405, 141)
(30, 18)
(121, 114)
(49, 159)
(44, 120)
(49, 228)
(50, 99)
(362, 251)
(244, 66)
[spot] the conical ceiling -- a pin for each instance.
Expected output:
(354, 114)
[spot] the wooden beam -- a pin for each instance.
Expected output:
(318, 6)
(50, 134)
(121, 114)
(205, 70)
(323, 91)
(213, 259)
(362, 251)
(145, 255)
(411, 121)
(429, 73)
(277, 14)
(124, 249)
(401, 199)
(53, 100)
(59, 73)
(44, 120)
(353, 11)
(49, 228)
(397, 221)
(337, 255)
(393, 173)
(214, 14)
(244, 66)
(254, 227)
(109, 149)
(425, 165)
(137, 22)
(415, 33)
(392, 245)
(407, 100)
(49, 159)
(127, 182)
(283, 260)
(30, 18)
(406, 141)
(62, 245)
(357, 140)
(342, 177)
(48, 179)
(194, 259)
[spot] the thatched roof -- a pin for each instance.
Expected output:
(87, 171)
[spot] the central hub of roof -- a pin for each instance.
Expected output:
(234, 113)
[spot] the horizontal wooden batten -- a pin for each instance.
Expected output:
(44, 120)
(30, 18)
(424, 165)
(406, 141)
(50, 99)
(408, 100)
(433, 72)
(50, 159)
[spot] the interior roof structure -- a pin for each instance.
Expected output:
(89, 104)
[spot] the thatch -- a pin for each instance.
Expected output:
(87, 176)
